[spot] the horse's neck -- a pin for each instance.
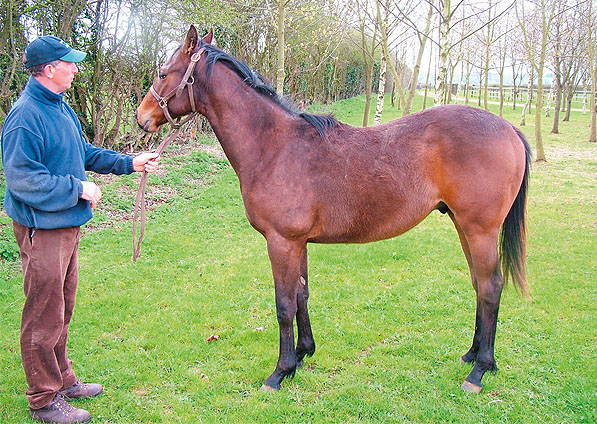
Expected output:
(247, 124)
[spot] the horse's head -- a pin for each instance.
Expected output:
(172, 92)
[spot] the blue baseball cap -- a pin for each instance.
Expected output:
(49, 48)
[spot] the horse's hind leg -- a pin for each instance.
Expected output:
(285, 257)
(489, 284)
(305, 344)
(470, 356)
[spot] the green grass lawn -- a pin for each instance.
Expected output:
(390, 319)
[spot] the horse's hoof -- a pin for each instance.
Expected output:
(467, 386)
(462, 361)
(269, 389)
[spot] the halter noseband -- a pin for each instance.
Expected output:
(187, 81)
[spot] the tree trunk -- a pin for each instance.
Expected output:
(368, 95)
(368, 60)
(469, 68)
(501, 109)
(593, 136)
(540, 155)
(547, 16)
(550, 98)
(527, 105)
(481, 83)
(381, 90)
(427, 84)
(569, 95)
(385, 53)
(448, 98)
(514, 90)
(280, 73)
(486, 68)
(557, 80)
(444, 45)
(558, 104)
(585, 96)
(593, 70)
(415, 76)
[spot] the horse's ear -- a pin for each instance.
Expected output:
(209, 37)
(191, 41)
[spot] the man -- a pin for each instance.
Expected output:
(45, 157)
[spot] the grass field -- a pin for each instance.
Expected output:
(390, 319)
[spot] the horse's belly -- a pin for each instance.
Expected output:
(369, 226)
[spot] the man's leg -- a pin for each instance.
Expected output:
(70, 293)
(46, 256)
(71, 387)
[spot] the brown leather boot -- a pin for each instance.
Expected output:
(82, 390)
(59, 411)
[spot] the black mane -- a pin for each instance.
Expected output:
(322, 123)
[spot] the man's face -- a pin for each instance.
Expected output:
(62, 75)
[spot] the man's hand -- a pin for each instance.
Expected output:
(147, 162)
(91, 192)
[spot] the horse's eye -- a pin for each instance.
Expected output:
(162, 76)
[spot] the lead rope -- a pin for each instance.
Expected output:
(187, 81)
(140, 202)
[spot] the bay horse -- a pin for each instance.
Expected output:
(310, 179)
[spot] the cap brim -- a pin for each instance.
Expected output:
(74, 56)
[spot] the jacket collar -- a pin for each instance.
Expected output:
(36, 90)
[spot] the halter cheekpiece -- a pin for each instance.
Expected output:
(187, 81)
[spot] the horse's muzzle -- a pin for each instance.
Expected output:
(145, 124)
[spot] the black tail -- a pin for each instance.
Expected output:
(513, 235)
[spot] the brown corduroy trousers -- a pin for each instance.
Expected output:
(50, 274)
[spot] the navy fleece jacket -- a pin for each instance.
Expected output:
(45, 157)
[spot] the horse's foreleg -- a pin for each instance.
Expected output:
(305, 344)
(285, 257)
(489, 288)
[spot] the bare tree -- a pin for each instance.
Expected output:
(573, 71)
(489, 40)
(382, 21)
(427, 83)
(501, 32)
(12, 43)
(529, 102)
(368, 30)
(280, 75)
(557, 48)
(381, 90)
(538, 21)
(591, 26)
(446, 14)
(407, 13)
(448, 39)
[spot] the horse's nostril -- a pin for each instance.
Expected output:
(144, 126)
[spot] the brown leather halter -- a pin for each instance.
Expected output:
(187, 81)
